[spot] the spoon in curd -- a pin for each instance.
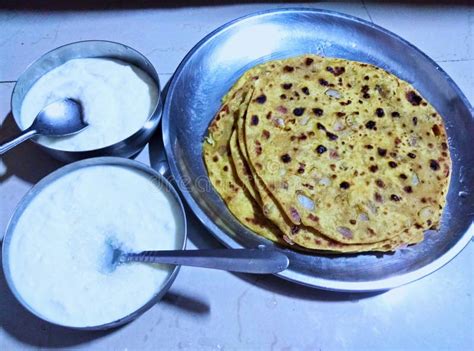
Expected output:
(256, 261)
(60, 118)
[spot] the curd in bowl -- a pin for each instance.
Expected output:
(117, 99)
(59, 262)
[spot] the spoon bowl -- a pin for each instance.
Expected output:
(60, 118)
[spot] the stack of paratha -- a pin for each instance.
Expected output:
(329, 154)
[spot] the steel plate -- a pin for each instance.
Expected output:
(213, 65)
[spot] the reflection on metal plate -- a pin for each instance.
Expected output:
(212, 66)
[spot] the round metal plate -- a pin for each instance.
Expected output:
(214, 64)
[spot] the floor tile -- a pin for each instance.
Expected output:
(444, 32)
(164, 36)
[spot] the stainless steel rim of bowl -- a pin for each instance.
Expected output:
(126, 147)
(221, 235)
(117, 161)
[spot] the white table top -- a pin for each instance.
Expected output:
(208, 309)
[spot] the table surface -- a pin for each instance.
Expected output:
(206, 309)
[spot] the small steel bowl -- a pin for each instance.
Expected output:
(116, 161)
(128, 147)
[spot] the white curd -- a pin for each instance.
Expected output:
(58, 255)
(117, 99)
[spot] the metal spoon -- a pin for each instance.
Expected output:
(60, 118)
(258, 261)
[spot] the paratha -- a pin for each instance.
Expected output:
(222, 173)
(350, 145)
(303, 236)
(329, 154)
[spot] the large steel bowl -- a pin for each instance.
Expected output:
(214, 64)
(161, 183)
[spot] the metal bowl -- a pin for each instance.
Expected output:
(117, 161)
(87, 49)
(214, 64)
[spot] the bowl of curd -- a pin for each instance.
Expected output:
(56, 251)
(117, 86)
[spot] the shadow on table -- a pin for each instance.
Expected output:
(293, 290)
(26, 161)
(59, 5)
(185, 303)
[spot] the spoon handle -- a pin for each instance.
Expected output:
(25, 135)
(237, 260)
